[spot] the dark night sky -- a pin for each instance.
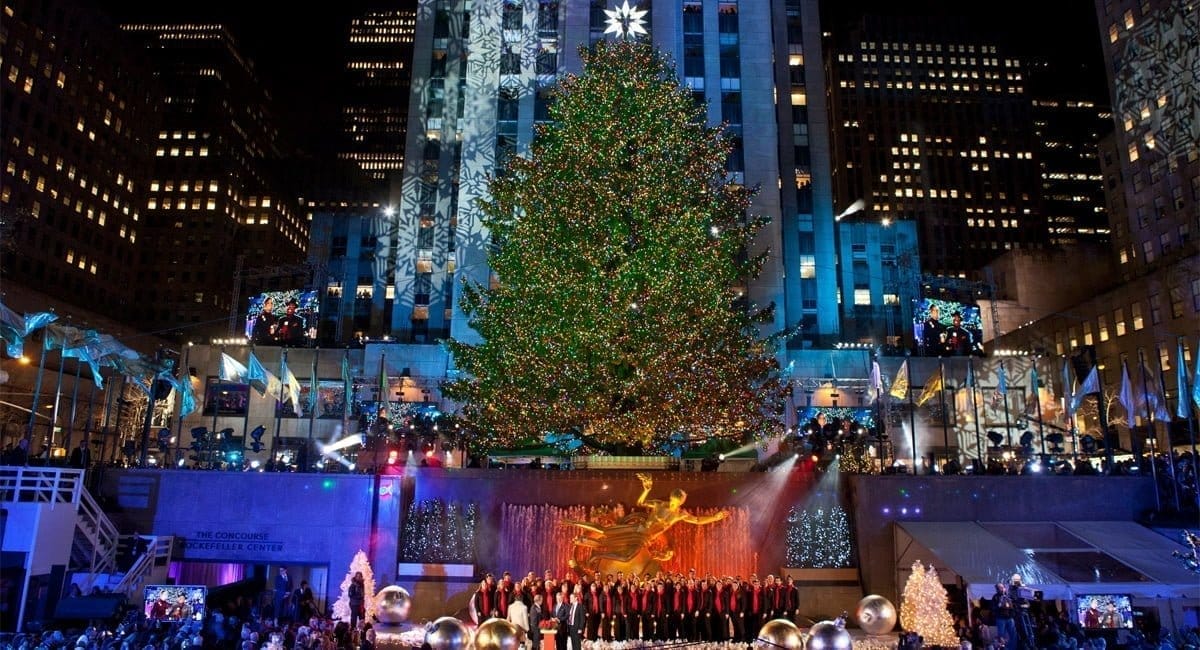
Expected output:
(299, 52)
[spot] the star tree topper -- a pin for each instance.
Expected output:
(626, 21)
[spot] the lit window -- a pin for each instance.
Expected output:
(808, 267)
(212, 204)
(1136, 313)
(862, 296)
(266, 202)
(70, 256)
(1129, 19)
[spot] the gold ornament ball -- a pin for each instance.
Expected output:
(498, 634)
(828, 635)
(392, 604)
(448, 633)
(875, 615)
(780, 633)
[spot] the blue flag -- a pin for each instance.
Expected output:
(1181, 383)
(187, 395)
(14, 328)
(232, 369)
(1090, 385)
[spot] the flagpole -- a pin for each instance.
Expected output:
(278, 408)
(57, 396)
(74, 400)
(1102, 413)
(1037, 400)
(116, 429)
(1162, 386)
(109, 393)
(246, 413)
(945, 416)
(1007, 424)
(37, 395)
(1185, 391)
(206, 455)
(912, 416)
(347, 399)
(1150, 419)
(975, 413)
(184, 375)
(313, 402)
(87, 426)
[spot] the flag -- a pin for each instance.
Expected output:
(970, 373)
(900, 383)
(1033, 406)
(1002, 385)
(876, 388)
(69, 339)
(232, 369)
(1196, 384)
(1126, 396)
(383, 384)
(289, 387)
(187, 394)
(262, 380)
(1151, 397)
(312, 387)
(347, 384)
(1181, 382)
(932, 387)
(1090, 385)
(15, 328)
(1068, 384)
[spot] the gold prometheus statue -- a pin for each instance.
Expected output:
(635, 543)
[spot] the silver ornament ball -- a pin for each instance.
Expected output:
(448, 633)
(392, 604)
(828, 635)
(780, 633)
(498, 634)
(875, 615)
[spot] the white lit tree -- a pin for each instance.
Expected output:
(924, 607)
(341, 608)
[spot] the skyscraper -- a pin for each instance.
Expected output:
(474, 106)
(79, 115)
(932, 123)
(1070, 115)
(217, 200)
(378, 75)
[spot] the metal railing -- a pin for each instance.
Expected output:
(158, 554)
(95, 534)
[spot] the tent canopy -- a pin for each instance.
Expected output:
(1061, 559)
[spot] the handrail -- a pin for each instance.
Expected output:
(158, 552)
(50, 485)
(102, 535)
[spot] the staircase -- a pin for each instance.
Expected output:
(94, 545)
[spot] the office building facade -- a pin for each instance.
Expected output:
(378, 76)
(933, 124)
(79, 115)
(217, 204)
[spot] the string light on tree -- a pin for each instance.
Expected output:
(341, 607)
(924, 609)
(620, 248)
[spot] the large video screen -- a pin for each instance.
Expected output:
(175, 602)
(283, 318)
(331, 400)
(945, 328)
(1104, 611)
(225, 397)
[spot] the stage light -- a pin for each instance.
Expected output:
(393, 455)
(254, 464)
(24, 360)
(181, 462)
(721, 457)
(815, 458)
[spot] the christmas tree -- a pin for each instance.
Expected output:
(620, 247)
(341, 608)
(924, 610)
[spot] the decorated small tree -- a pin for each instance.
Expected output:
(341, 608)
(923, 609)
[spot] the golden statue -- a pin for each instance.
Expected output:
(635, 542)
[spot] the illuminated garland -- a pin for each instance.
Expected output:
(619, 245)
(818, 538)
(435, 532)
